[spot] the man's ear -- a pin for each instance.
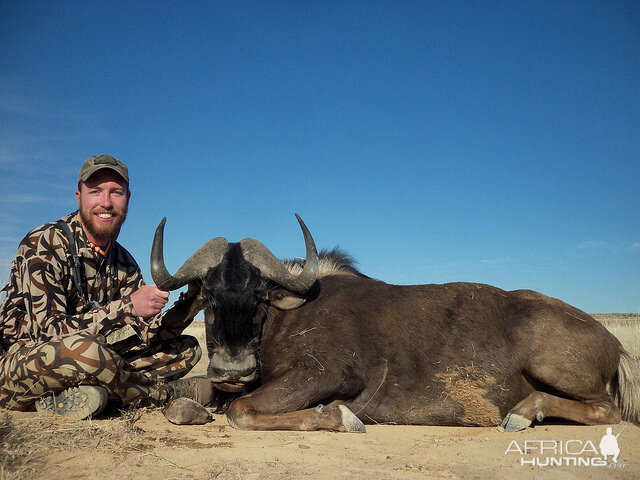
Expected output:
(285, 300)
(78, 197)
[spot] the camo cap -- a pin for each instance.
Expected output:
(98, 162)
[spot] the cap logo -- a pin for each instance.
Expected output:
(105, 160)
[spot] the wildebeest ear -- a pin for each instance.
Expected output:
(285, 300)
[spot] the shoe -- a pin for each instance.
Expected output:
(198, 389)
(77, 403)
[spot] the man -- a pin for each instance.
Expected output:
(71, 286)
(609, 445)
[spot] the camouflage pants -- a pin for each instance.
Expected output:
(131, 374)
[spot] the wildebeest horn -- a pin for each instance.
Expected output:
(208, 255)
(273, 269)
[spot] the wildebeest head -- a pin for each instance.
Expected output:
(238, 282)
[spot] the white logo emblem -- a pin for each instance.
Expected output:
(572, 452)
(609, 445)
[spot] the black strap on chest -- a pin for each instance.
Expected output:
(76, 269)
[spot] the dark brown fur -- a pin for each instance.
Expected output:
(454, 354)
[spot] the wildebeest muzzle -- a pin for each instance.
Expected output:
(231, 373)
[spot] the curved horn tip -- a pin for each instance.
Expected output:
(160, 227)
(299, 219)
(305, 230)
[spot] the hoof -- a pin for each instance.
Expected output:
(539, 416)
(350, 421)
(184, 411)
(514, 422)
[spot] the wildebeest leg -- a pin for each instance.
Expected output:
(283, 404)
(244, 413)
(569, 368)
(539, 405)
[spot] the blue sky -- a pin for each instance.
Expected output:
(492, 142)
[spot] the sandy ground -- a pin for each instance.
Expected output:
(156, 449)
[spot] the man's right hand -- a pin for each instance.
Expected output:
(149, 300)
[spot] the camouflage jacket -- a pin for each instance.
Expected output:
(42, 302)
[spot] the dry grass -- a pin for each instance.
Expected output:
(196, 329)
(616, 317)
(25, 441)
(17, 457)
(626, 327)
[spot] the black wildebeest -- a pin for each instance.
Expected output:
(453, 354)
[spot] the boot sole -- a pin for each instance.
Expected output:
(76, 403)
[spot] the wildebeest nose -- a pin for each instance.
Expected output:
(230, 373)
(235, 368)
(217, 372)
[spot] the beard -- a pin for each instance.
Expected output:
(103, 231)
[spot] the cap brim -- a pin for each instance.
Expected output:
(91, 170)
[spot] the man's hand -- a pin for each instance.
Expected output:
(149, 300)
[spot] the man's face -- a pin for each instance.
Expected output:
(103, 201)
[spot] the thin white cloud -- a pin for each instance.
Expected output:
(36, 134)
(28, 198)
(499, 261)
(593, 245)
(16, 104)
(634, 246)
(13, 103)
(604, 247)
